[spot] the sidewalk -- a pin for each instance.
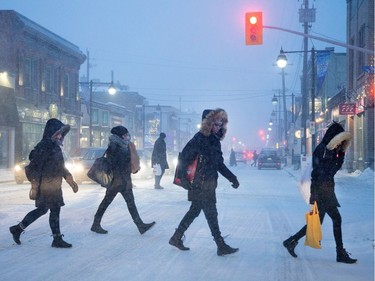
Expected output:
(6, 175)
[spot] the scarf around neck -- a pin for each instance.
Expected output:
(116, 140)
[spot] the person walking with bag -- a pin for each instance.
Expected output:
(202, 190)
(46, 181)
(119, 154)
(328, 158)
(159, 157)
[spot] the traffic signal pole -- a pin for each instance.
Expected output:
(337, 43)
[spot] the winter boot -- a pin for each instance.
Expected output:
(290, 244)
(16, 231)
(98, 229)
(176, 240)
(58, 242)
(143, 227)
(343, 256)
(157, 183)
(224, 249)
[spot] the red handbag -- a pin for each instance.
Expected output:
(190, 173)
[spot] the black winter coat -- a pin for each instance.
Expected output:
(159, 154)
(208, 148)
(328, 158)
(51, 167)
(118, 153)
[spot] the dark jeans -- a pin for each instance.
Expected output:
(334, 214)
(108, 198)
(210, 212)
(54, 218)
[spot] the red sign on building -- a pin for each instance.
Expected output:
(347, 108)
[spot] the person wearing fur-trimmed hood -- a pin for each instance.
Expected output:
(46, 182)
(328, 158)
(202, 190)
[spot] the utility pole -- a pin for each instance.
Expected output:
(306, 16)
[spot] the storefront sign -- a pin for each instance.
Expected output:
(347, 108)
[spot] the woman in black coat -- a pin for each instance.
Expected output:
(118, 153)
(202, 190)
(46, 182)
(159, 156)
(328, 158)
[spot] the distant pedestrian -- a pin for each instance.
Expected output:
(328, 158)
(159, 156)
(202, 190)
(46, 183)
(232, 158)
(255, 158)
(118, 152)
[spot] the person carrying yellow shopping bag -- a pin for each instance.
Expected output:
(327, 159)
(314, 228)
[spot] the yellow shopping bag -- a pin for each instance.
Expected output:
(314, 228)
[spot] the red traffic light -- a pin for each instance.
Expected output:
(254, 28)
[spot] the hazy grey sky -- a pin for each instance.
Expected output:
(193, 51)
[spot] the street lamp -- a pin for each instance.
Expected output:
(111, 90)
(282, 62)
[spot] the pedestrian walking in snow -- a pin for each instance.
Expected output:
(46, 182)
(118, 153)
(255, 158)
(159, 157)
(232, 158)
(202, 190)
(328, 158)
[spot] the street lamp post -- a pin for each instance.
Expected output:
(275, 101)
(282, 62)
(111, 90)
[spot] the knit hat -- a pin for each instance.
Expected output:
(206, 112)
(119, 131)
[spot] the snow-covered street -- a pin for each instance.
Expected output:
(257, 217)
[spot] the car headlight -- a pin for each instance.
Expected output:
(17, 168)
(69, 165)
(78, 168)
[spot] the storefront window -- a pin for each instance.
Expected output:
(32, 134)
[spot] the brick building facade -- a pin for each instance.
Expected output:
(45, 71)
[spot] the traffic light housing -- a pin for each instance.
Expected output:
(254, 28)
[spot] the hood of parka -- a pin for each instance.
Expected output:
(331, 132)
(336, 135)
(55, 127)
(215, 115)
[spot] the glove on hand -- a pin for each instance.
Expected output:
(235, 183)
(72, 183)
(313, 198)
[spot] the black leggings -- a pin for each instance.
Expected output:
(334, 214)
(54, 218)
(108, 198)
(210, 212)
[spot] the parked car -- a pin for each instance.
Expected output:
(19, 169)
(269, 158)
(82, 164)
(146, 171)
(243, 156)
